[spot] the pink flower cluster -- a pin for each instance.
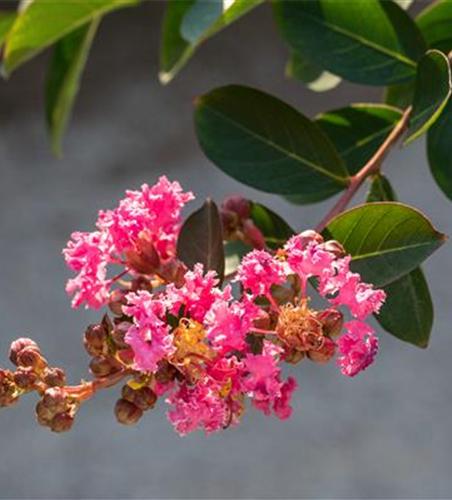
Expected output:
(194, 343)
(141, 233)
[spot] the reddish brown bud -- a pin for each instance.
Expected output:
(128, 393)
(44, 414)
(26, 379)
(55, 399)
(18, 345)
(263, 320)
(31, 357)
(332, 321)
(145, 398)
(238, 206)
(293, 356)
(95, 340)
(62, 422)
(118, 334)
(325, 353)
(55, 377)
(252, 235)
(117, 300)
(335, 248)
(8, 389)
(144, 257)
(127, 413)
(102, 367)
(309, 235)
(166, 372)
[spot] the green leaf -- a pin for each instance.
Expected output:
(386, 240)
(182, 20)
(265, 143)
(43, 23)
(380, 190)
(6, 21)
(234, 252)
(400, 96)
(439, 150)
(63, 81)
(312, 75)
(433, 89)
(201, 240)
(408, 310)
(435, 23)
(275, 229)
(371, 42)
(358, 130)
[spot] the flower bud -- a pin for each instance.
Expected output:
(31, 357)
(55, 399)
(309, 236)
(118, 334)
(95, 340)
(335, 248)
(263, 320)
(62, 422)
(18, 345)
(166, 372)
(325, 353)
(102, 367)
(237, 205)
(117, 300)
(145, 398)
(127, 413)
(332, 321)
(8, 389)
(44, 415)
(253, 235)
(293, 356)
(55, 377)
(144, 257)
(26, 379)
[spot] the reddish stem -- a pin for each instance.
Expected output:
(370, 168)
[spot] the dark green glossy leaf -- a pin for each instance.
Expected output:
(401, 96)
(433, 89)
(63, 81)
(43, 23)
(201, 239)
(184, 29)
(380, 190)
(234, 252)
(371, 42)
(275, 229)
(6, 21)
(265, 143)
(435, 23)
(358, 130)
(386, 240)
(439, 150)
(408, 310)
(312, 75)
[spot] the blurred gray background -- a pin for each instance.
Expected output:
(385, 434)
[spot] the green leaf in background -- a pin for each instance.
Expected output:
(358, 130)
(439, 150)
(433, 90)
(6, 21)
(275, 229)
(201, 239)
(265, 143)
(435, 23)
(380, 190)
(386, 240)
(181, 20)
(63, 81)
(400, 96)
(312, 75)
(371, 42)
(408, 310)
(234, 252)
(43, 23)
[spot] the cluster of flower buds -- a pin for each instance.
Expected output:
(181, 336)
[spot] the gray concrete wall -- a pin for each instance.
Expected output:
(385, 434)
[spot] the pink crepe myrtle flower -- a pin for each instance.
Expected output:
(358, 348)
(307, 259)
(85, 254)
(227, 324)
(149, 335)
(263, 382)
(258, 271)
(147, 220)
(197, 294)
